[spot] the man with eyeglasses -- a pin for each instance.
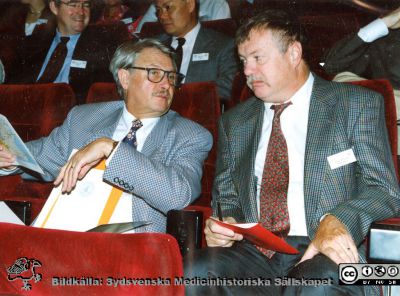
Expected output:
(152, 153)
(75, 53)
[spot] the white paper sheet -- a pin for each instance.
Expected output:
(7, 215)
(86, 206)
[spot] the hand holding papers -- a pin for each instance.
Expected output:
(10, 139)
(260, 236)
(92, 203)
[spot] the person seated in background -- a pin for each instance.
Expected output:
(152, 153)
(75, 53)
(115, 11)
(280, 163)
(371, 53)
(19, 19)
(23, 17)
(202, 54)
(208, 10)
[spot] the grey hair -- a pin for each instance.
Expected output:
(127, 53)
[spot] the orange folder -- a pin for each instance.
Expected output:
(258, 235)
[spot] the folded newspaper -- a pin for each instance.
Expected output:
(10, 139)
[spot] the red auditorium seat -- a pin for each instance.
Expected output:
(47, 258)
(33, 110)
(102, 92)
(240, 91)
(197, 101)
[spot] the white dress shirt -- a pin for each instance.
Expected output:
(63, 75)
(294, 121)
(373, 31)
(125, 124)
(187, 48)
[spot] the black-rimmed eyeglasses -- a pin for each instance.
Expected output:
(77, 4)
(156, 75)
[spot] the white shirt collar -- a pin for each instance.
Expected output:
(190, 37)
(127, 119)
(298, 98)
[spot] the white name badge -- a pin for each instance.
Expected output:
(127, 20)
(41, 21)
(200, 57)
(78, 64)
(342, 158)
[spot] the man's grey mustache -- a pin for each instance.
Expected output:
(250, 79)
(162, 94)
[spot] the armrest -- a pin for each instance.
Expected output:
(384, 241)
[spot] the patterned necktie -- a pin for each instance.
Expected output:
(274, 214)
(130, 138)
(179, 52)
(56, 62)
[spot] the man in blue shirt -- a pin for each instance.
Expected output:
(86, 55)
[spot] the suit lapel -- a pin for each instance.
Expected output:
(201, 45)
(318, 145)
(157, 135)
(247, 139)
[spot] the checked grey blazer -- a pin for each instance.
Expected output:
(341, 117)
(221, 65)
(165, 175)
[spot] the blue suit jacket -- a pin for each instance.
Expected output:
(165, 175)
(341, 117)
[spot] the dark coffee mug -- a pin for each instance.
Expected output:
(186, 227)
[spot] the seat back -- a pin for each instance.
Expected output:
(225, 26)
(35, 110)
(102, 92)
(240, 90)
(50, 260)
(384, 87)
(199, 102)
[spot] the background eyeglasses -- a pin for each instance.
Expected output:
(78, 4)
(156, 75)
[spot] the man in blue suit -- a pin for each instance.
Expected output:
(88, 52)
(321, 148)
(207, 55)
(157, 160)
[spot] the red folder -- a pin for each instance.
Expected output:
(258, 235)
